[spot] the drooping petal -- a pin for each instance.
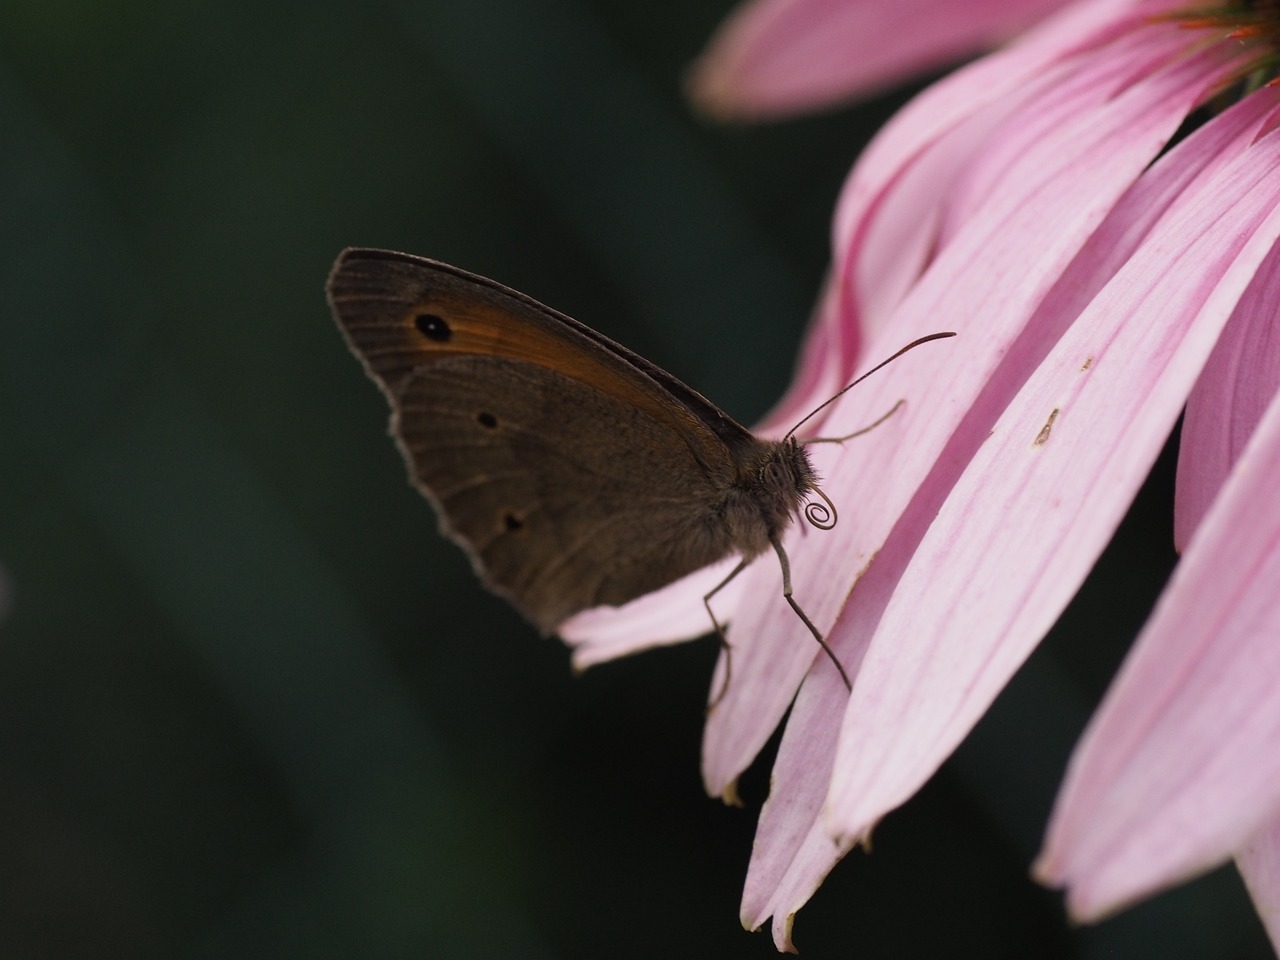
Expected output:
(671, 615)
(1036, 506)
(885, 229)
(1062, 189)
(775, 57)
(1259, 862)
(901, 205)
(1241, 377)
(955, 101)
(793, 852)
(1181, 764)
(1049, 207)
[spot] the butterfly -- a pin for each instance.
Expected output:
(572, 471)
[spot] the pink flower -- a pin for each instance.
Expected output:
(1098, 279)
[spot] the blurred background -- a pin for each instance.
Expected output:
(251, 705)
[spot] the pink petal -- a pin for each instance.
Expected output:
(1239, 381)
(1180, 766)
(1058, 198)
(671, 615)
(793, 852)
(1259, 862)
(1066, 185)
(898, 207)
(774, 57)
(1032, 511)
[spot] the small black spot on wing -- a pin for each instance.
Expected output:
(487, 420)
(512, 522)
(433, 327)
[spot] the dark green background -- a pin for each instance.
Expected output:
(250, 704)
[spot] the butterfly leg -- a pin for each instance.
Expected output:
(857, 433)
(786, 592)
(724, 640)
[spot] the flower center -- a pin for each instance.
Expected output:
(1254, 24)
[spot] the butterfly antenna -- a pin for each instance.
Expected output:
(910, 346)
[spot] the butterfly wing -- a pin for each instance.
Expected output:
(571, 475)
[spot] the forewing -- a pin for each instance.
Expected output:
(400, 313)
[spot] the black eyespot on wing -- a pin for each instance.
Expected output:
(433, 327)
(487, 420)
(513, 522)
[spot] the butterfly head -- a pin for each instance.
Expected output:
(821, 515)
(786, 473)
(774, 484)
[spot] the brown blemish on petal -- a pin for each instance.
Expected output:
(729, 795)
(1043, 435)
(1087, 364)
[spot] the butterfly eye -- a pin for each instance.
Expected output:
(433, 327)
(774, 474)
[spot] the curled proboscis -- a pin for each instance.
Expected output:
(821, 515)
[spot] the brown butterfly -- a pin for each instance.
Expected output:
(573, 472)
